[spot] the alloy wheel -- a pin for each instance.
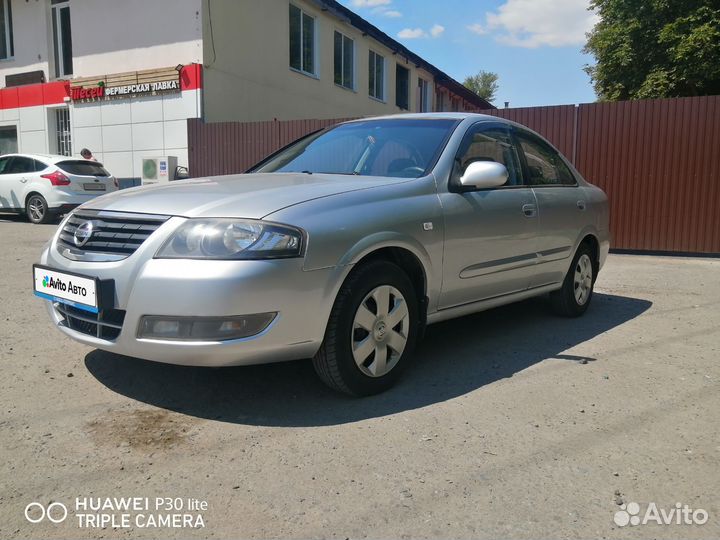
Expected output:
(36, 209)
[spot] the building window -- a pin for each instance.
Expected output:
(8, 139)
(402, 87)
(62, 131)
(344, 61)
(62, 38)
(441, 101)
(376, 76)
(423, 104)
(302, 41)
(7, 48)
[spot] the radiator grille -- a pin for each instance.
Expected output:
(118, 235)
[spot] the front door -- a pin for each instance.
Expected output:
(15, 175)
(8, 185)
(490, 242)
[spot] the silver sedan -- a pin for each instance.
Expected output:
(340, 247)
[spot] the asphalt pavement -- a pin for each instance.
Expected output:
(511, 423)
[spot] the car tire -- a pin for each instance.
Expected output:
(573, 299)
(36, 209)
(359, 355)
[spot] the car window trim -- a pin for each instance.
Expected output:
(441, 149)
(516, 134)
(454, 188)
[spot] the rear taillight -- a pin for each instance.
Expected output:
(57, 178)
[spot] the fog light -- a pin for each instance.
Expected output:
(203, 328)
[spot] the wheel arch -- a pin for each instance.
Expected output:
(413, 260)
(30, 193)
(406, 260)
(406, 252)
(591, 240)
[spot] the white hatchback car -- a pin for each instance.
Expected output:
(45, 186)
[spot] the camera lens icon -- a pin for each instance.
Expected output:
(55, 512)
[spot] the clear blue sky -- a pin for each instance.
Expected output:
(533, 45)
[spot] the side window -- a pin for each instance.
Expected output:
(39, 166)
(489, 144)
(20, 165)
(545, 167)
(4, 162)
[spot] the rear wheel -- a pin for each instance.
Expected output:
(573, 299)
(36, 209)
(371, 333)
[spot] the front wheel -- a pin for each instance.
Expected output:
(372, 331)
(37, 210)
(573, 298)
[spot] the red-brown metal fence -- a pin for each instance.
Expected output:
(658, 161)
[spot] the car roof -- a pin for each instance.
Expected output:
(50, 158)
(433, 116)
(459, 116)
(46, 158)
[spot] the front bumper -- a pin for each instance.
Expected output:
(178, 287)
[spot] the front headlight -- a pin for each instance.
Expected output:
(232, 239)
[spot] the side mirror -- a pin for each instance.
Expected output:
(181, 173)
(484, 174)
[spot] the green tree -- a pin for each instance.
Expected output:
(655, 48)
(484, 84)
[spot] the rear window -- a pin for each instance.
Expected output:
(83, 167)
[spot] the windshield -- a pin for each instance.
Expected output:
(400, 148)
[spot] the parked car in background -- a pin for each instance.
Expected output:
(340, 247)
(45, 186)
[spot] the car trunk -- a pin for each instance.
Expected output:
(87, 176)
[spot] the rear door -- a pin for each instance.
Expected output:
(490, 242)
(561, 206)
(87, 176)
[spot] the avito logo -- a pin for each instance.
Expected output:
(59, 285)
(681, 514)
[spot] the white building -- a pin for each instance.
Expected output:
(121, 77)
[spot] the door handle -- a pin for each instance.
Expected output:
(530, 210)
(581, 205)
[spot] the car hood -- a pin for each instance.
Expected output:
(241, 195)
